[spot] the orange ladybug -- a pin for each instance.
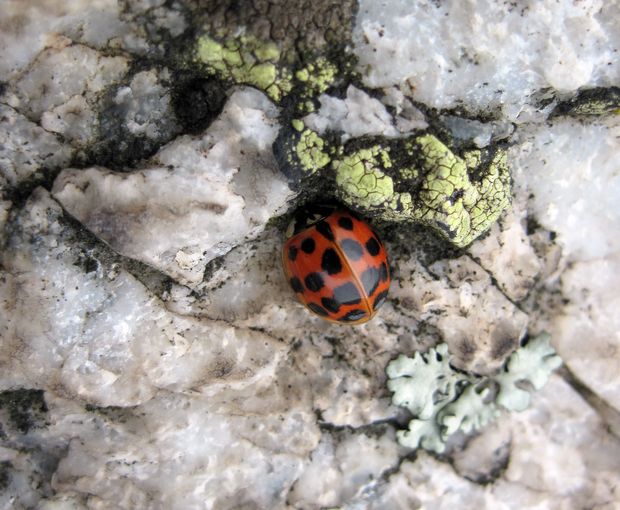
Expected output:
(336, 264)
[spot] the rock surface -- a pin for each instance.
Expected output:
(152, 354)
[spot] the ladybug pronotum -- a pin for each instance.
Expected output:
(336, 264)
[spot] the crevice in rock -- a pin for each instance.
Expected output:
(608, 414)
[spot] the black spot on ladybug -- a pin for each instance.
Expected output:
(370, 280)
(331, 304)
(373, 246)
(379, 300)
(383, 272)
(353, 315)
(296, 284)
(347, 294)
(308, 245)
(330, 262)
(292, 253)
(352, 249)
(319, 310)
(325, 230)
(346, 223)
(314, 282)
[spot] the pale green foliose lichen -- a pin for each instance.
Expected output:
(449, 199)
(444, 401)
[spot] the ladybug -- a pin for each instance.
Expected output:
(336, 264)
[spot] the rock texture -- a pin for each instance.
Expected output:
(152, 354)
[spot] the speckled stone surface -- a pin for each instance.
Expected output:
(152, 354)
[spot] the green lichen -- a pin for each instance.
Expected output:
(591, 102)
(245, 60)
(301, 152)
(448, 198)
(444, 401)
(451, 201)
(310, 151)
(249, 61)
(363, 184)
(458, 196)
(317, 76)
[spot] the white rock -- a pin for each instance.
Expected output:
(335, 474)
(145, 104)
(479, 324)
(74, 120)
(59, 74)
(95, 23)
(587, 328)
(507, 254)
(408, 116)
(26, 150)
(576, 462)
(201, 195)
(201, 459)
(5, 207)
(480, 133)
(487, 55)
(428, 483)
(104, 339)
(357, 115)
(571, 170)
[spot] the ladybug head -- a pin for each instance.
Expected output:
(307, 216)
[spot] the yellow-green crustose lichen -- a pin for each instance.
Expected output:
(591, 102)
(436, 187)
(363, 185)
(311, 151)
(317, 76)
(301, 152)
(447, 199)
(451, 200)
(443, 400)
(246, 60)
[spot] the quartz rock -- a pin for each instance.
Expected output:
(570, 170)
(59, 74)
(587, 327)
(335, 474)
(27, 151)
(507, 254)
(479, 324)
(570, 173)
(117, 358)
(225, 179)
(577, 461)
(489, 55)
(105, 457)
(163, 362)
(95, 24)
(146, 105)
(200, 458)
(356, 115)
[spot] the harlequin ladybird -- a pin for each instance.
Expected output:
(336, 264)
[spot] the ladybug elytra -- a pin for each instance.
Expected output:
(336, 264)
